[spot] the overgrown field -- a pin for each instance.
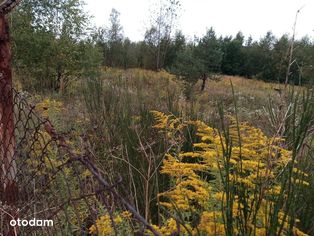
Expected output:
(233, 159)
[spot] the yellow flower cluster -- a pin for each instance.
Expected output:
(42, 162)
(210, 223)
(253, 157)
(104, 227)
(246, 164)
(168, 124)
(171, 227)
(47, 105)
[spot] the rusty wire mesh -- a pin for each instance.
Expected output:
(43, 180)
(46, 179)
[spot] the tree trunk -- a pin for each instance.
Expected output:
(60, 79)
(204, 77)
(158, 57)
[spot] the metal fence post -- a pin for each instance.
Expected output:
(9, 189)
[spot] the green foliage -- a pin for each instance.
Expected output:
(113, 41)
(48, 46)
(303, 70)
(52, 46)
(159, 35)
(233, 56)
(199, 61)
(188, 65)
(209, 52)
(176, 47)
(266, 59)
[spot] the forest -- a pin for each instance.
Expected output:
(164, 136)
(52, 51)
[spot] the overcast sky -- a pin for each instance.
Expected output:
(227, 17)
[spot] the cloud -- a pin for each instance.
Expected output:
(252, 17)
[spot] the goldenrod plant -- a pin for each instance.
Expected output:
(187, 167)
(249, 168)
(108, 225)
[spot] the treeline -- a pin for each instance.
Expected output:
(53, 44)
(266, 59)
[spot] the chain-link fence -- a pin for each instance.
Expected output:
(44, 180)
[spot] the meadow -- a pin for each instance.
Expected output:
(233, 159)
(171, 134)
